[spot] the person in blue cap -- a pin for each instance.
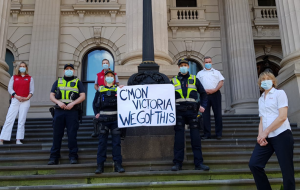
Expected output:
(187, 88)
(67, 93)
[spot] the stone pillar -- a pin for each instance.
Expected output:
(289, 75)
(134, 18)
(4, 76)
(242, 63)
(44, 54)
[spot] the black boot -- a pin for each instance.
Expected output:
(96, 129)
(176, 167)
(100, 168)
(119, 168)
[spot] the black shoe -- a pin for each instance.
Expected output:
(94, 135)
(205, 137)
(176, 167)
(119, 168)
(100, 168)
(219, 137)
(53, 162)
(73, 161)
(202, 167)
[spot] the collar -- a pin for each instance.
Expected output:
(184, 76)
(271, 92)
(69, 78)
(212, 69)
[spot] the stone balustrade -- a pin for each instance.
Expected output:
(187, 13)
(265, 15)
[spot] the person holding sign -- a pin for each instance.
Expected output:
(108, 121)
(187, 88)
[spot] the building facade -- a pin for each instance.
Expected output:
(244, 38)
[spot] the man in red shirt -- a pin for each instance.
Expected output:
(100, 76)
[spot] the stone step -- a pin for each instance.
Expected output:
(232, 184)
(90, 167)
(142, 176)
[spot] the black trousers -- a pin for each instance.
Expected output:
(183, 118)
(116, 144)
(62, 119)
(214, 101)
(283, 146)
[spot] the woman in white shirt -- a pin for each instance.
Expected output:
(274, 135)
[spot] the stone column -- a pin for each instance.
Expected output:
(44, 54)
(4, 76)
(289, 75)
(242, 63)
(134, 18)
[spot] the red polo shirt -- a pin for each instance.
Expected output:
(101, 78)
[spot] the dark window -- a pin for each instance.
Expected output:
(266, 3)
(186, 3)
(194, 67)
(9, 59)
(92, 64)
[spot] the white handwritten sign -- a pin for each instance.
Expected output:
(146, 105)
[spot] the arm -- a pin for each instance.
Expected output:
(275, 124)
(203, 96)
(96, 86)
(95, 108)
(263, 142)
(11, 86)
(31, 90)
(219, 86)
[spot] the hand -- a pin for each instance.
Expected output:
(61, 105)
(121, 86)
(210, 91)
(24, 99)
(201, 109)
(19, 98)
(97, 116)
(264, 142)
(69, 106)
(262, 136)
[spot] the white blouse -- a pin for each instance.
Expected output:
(269, 110)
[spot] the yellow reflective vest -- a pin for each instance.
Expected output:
(191, 87)
(66, 88)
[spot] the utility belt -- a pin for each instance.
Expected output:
(77, 107)
(183, 108)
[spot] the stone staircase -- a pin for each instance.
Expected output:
(24, 167)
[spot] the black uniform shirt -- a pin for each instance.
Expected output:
(200, 89)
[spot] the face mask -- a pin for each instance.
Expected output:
(105, 66)
(109, 80)
(68, 73)
(208, 65)
(183, 70)
(22, 69)
(266, 84)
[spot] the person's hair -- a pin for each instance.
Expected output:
(207, 57)
(17, 72)
(270, 76)
(105, 60)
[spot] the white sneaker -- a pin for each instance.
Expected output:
(1, 142)
(19, 142)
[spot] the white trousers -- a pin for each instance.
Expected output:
(14, 108)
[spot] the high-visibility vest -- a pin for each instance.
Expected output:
(103, 89)
(191, 87)
(108, 98)
(66, 88)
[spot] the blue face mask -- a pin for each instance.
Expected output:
(69, 73)
(105, 66)
(22, 69)
(208, 65)
(183, 70)
(266, 84)
(109, 80)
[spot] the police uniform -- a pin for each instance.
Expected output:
(107, 107)
(67, 89)
(187, 88)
